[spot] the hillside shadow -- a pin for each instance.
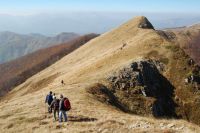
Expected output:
(81, 119)
(160, 88)
(164, 106)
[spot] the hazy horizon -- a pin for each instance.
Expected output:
(53, 17)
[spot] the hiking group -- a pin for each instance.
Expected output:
(59, 106)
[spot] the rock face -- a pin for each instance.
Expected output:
(141, 89)
(142, 73)
(141, 82)
(145, 24)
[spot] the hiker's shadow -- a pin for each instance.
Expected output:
(81, 119)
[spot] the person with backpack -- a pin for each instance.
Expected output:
(64, 106)
(55, 106)
(48, 100)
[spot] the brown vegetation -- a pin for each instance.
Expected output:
(189, 40)
(17, 71)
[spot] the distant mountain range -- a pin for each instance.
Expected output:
(13, 45)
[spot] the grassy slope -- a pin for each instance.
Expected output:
(189, 38)
(89, 64)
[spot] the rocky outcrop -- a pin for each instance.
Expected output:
(139, 88)
(145, 24)
(167, 35)
(141, 82)
(143, 73)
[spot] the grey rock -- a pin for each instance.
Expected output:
(143, 79)
(170, 125)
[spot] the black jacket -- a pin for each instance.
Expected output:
(61, 105)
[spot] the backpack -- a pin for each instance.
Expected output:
(67, 105)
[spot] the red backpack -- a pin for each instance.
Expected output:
(67, 105)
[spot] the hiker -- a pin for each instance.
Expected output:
(54, 95)
(191, 62)
(48, 100)
(62, 82)
(64, 106)
(192, 78)
(55, 106)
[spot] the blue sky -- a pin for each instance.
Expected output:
(42, 6)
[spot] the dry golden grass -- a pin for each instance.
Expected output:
(89, 64)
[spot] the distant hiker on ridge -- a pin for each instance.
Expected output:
(64, 106)
(55, 106)
(48, 100)
(62, 82)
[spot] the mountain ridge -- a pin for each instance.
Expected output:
(93, 63)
